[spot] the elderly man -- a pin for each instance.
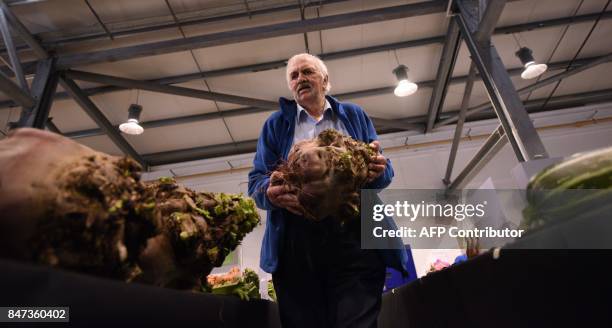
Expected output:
(321, 275)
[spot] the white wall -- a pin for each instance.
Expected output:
(424, 169)
(420, 163)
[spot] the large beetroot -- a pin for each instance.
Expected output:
(326, 173)
(66, 205)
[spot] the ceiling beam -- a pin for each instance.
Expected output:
(169, 89)
(175, 121)
(465, 103)
(552, 79)
(21, 93)
(383, 123)
(249, 146)
(182, 155)
(23, 32)
(51, 126)
(485, 30)
(12, 53)
(185, 22)
(29, 67)
(571, 20)
(521, 133)
(342, 96)
(43, 89)
(490, 14)
(450, 50)
(12, 90)
(97, 116)
(492, 145)
(253, 33)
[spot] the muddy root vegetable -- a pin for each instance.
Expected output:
(327, 173)
(66, 205)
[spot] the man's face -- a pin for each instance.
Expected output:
(305, 81)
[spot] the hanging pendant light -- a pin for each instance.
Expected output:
(532, 69)
(404, 87)
(132, 126)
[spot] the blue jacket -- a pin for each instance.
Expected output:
(273, 147)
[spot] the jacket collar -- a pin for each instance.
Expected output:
(289, 108)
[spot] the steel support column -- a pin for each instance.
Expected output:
(569, 72)
(465, 102)
(23, 32)
(494, 143)
(445, 70)
(51, 126)
(509, 108)
(96, 114)
(12, 90)
(43, 89)
(12, 52)
(487, 19)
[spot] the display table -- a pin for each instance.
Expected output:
(523, 287)
(520, 288)
(102, 302)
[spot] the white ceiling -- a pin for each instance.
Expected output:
(51, 20)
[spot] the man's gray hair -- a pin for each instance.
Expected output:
(319, 64)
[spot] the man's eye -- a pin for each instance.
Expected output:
(294, 76)
(307, 72)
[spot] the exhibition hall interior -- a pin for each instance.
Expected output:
(306, 163)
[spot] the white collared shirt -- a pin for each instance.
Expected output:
(307, 127)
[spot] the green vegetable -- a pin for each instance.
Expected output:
(116, 206)
(246, 288)
(271, 291)
(576, 187)
(166, 180)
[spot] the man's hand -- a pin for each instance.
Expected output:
(283, 196)
(378, 162)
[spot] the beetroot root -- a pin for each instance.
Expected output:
(66, 205)
(326, 173)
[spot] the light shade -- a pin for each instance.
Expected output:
(404, 87)
(132, 126)
(532, 69)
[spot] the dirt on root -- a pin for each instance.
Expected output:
(326, 173)
(66, 205)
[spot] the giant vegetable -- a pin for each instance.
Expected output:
(326, 173)
(66, 205)
(580, 186)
